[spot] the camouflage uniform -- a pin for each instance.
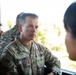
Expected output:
(31, 61)
(7, 37)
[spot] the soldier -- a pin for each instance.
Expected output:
(26, 57)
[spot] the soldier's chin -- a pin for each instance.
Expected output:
(32, 38)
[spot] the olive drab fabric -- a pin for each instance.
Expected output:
(31, 61)
(7, 37)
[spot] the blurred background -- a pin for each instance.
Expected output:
(51, 28)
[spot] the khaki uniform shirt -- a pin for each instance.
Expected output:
(31, 61)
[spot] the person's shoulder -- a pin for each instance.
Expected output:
(11, 44)
(5, 34)
(9, 32)
(11, 47)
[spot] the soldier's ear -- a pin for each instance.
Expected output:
(20, 27)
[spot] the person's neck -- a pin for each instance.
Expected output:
(25, 42)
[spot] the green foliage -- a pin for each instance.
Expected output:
(57, 28)
(9, 24)
(40, 37)
(56, 48)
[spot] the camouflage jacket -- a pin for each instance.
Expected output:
(31, 61)
(7, 37)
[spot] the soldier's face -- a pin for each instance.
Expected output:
(70, 45)
(30, 28)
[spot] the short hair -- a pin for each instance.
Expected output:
(22, 16)
(18, 16)
(70, 19)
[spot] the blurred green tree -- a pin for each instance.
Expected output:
(9, 24)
